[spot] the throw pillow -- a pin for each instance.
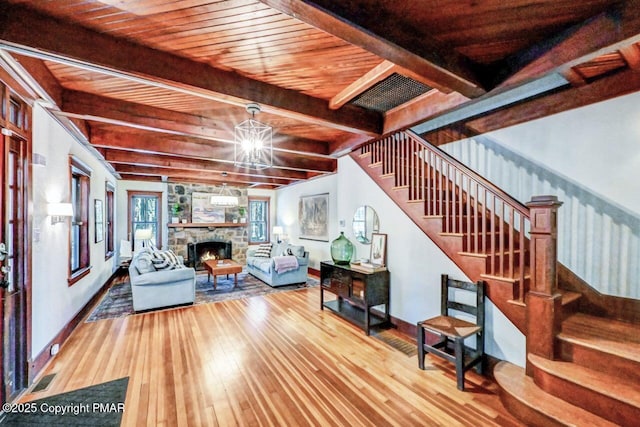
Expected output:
(165, 260)
(297, 250)
(264, 250)
(144, 263)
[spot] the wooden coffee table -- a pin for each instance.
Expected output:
(228, 266)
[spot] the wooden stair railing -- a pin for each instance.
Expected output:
(490, 223)
(580, 369)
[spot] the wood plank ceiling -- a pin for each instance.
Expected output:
(158, 85)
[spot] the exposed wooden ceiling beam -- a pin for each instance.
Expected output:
(375, 75)
(449, 134)
(631, 54)
(188, 173)
(574, 77)
(347, 145)
(536, 74)
(177, 179)
(618, 84)
(417, 110)
(578, 44)
(133, 177)
(40, 73)
(371, 78)
(109, 110)
(30, 33)
(199, 148)
(408, 114)
(175, 162)
(445, 69)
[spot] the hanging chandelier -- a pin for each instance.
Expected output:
(253, 148)
(224, 198)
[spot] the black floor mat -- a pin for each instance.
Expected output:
(98, 405)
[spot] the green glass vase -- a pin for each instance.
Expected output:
(341, 250)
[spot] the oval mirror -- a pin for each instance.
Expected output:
(365, 222)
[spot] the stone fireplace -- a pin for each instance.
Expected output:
(181, 236)
(202, 251)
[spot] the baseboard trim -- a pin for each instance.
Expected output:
(38, 363)
(404, 328)
(313, 272)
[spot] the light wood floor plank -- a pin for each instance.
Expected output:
(266, 361)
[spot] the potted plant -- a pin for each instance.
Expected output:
(175, 210)
(242, 211)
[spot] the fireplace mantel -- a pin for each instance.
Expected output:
(206, 224)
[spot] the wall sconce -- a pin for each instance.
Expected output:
(278, 231)
(59, 212)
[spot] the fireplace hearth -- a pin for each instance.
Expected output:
(202, 251)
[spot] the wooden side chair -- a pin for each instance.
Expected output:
(453, 331)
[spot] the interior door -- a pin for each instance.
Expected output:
(12, 276)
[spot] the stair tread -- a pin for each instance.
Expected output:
(514, 381)
(591, 379)
(606, 335)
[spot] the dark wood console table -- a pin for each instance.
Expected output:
(357, 292)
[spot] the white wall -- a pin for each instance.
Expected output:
(287, 215)
(414, 261)
(597, 146)
(54, 302)
(589, 159)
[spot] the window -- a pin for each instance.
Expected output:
(80, 187)
(258, 220)
(109, 238)
(16, 112)
(145, 213)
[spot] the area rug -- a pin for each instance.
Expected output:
(98, 405)
(117, 302)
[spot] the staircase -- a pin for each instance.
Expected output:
(581, 369)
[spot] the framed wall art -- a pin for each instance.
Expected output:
(202, 211)
(313, 217)
(378, 249)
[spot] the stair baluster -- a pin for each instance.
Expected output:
(490, 222)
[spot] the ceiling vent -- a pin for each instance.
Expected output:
(389, 93)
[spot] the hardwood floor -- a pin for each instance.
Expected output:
(273, 360)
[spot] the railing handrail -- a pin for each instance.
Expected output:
(497, 191)
(488, 220)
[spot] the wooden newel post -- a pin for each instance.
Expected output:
(543, 301)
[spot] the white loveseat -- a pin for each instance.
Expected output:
(264, 268)
(162, 288)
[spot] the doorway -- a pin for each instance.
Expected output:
(13, 293)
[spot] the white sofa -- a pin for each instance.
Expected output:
(264, 268)
(163, 288)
